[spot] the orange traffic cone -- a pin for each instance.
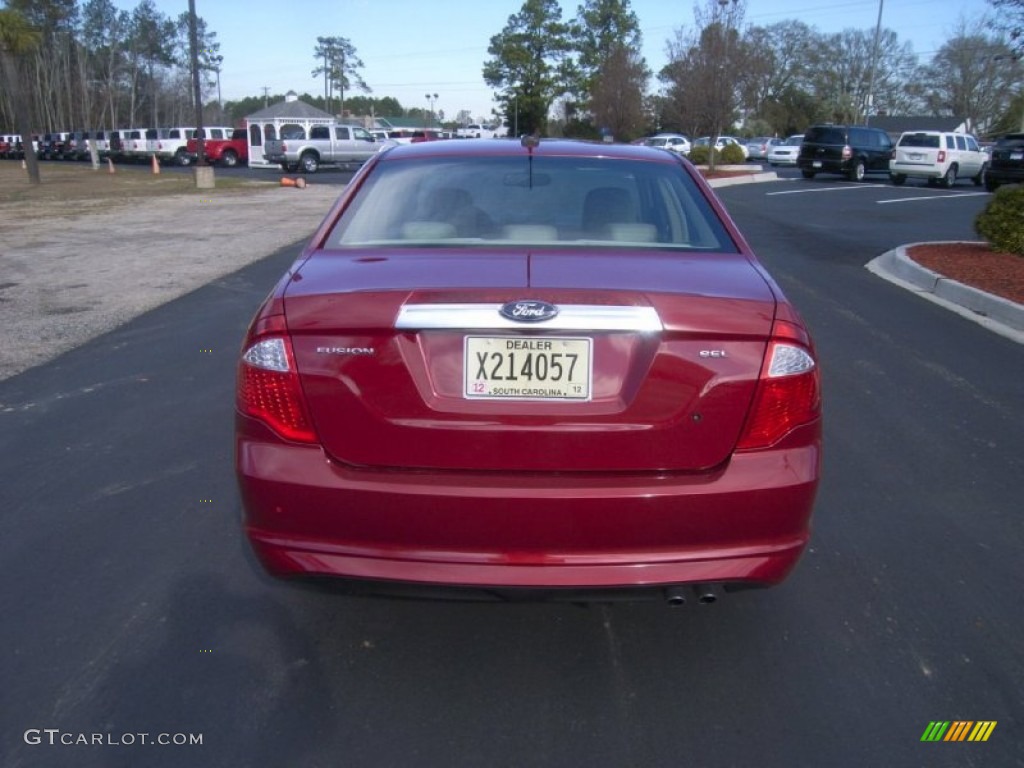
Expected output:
(297, 183)
(156, 165)
(110, 166)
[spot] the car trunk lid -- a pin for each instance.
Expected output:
(407, 362)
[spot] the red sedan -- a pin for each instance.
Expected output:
(549, 369)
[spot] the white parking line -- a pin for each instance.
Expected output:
(932, 197)
(827, 189)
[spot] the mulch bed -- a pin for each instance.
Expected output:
(975, 264)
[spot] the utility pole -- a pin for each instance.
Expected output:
(203, 175)
(874, 64)
(266, 96)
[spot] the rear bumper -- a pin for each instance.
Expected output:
(1006, 175)
(746, 523)
(916, 170)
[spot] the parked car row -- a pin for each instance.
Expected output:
(167, 145)
(935, 157)
(939, 158)
(682, 144)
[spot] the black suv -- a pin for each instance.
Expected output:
(851, 150)
(1007, 163)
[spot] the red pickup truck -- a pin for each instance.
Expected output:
(227, 152)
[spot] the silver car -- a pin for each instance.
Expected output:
(786, 152)
(758, 148)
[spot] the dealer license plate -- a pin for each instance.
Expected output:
(1017, 155)
(816, 164)
(527, 368)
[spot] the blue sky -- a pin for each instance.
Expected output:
(414, 47)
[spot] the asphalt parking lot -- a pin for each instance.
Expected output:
(132, 606)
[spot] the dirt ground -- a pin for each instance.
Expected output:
(88, 251)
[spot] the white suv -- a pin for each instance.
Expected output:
(937, 156)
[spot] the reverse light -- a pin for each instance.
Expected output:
(788, 396)
(269, 389)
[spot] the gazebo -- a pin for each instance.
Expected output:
(266, 124)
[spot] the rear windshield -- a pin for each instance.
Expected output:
(560, 201)
(930, 140)
(821, 134)
(1015, 140)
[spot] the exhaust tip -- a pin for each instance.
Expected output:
(706, 594)
(675, 596)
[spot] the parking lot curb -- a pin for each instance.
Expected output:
(999, 315)
(747, 178)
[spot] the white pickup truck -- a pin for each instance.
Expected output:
(325, 145)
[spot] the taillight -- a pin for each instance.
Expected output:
(942, 156)
(284, 147)
(269, 389)
(788, 395)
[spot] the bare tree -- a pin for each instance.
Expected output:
(973, 76)
(617, 98)
(705, 68)
(1010, 20)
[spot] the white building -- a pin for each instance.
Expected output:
(266, 124)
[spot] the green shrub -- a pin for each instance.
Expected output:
(732, 154)
(1002, 221)
(699, 155)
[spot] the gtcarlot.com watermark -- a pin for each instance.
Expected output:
(57, 737)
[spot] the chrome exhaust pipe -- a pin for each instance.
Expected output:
(706, 593)
(675, 596)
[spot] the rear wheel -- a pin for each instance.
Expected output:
(950, 178)
(980, 178)
(990, 183)
(898, 179)
(309, 162)
(229, 158)
(182, 158)
(857, 171)
(807, 174)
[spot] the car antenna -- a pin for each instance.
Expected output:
(530, 141)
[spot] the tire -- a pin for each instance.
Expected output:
(898, 179)
(229, 158)
(857, 171)
(309, 162)
(807, 174)
(982, 173)
(182, 158)
(950, 178)
(990, 184)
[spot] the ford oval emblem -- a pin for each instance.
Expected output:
(528, 311)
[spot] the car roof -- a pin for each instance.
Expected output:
(546, 147)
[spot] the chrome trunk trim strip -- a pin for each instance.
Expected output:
(485, 317)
